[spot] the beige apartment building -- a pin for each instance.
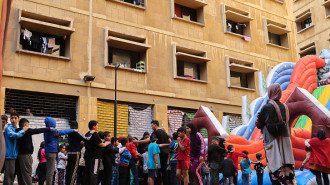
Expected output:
(312, 19)
(174, 55)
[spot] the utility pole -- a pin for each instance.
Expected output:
(115, 106)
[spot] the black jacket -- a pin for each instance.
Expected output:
(75, 140)
(215, 153)
(268, 114)
(25, 144)
(109, 156)
(227, 167)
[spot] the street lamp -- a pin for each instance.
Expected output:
(115, 106)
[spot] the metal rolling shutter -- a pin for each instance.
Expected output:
(140, 117)
(54, 105)
(235, 120)
(105, 117)
(178, 116)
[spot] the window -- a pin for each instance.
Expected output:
(134, 3)
(127, 51)
(43, 35)
(189, 64)
(240, 74)
(304, 21)
(274, 38)
(236, 21)
(326, 5)
(309, 49)
(276, 34)
(189, 10)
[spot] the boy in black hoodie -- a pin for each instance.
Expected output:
(25, 150)
(228, 169)
(74, 149)
(108, 154)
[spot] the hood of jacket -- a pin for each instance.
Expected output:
(50, 122)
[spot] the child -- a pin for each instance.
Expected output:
(228, 169)
(74, 148)
(108, 159)
(246, 169)
(125, 157)
(234, 156)
(183, 156)
(153, 162)
(145, 166)
(93, 154)
(132, 163)
(259, 167)
(215, 156)
(174, 158)
(51, 146)
(42, 164)
(25, 150)
(11, 137)
(115, 144)
(61, 165)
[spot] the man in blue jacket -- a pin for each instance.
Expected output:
(11, 137)
(51, 146)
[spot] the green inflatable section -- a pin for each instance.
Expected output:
(303, 119)
(203, 131)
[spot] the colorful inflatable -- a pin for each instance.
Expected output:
(307, 103)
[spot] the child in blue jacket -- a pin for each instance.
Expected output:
(11, 137)
(51, 146)
(125, 157)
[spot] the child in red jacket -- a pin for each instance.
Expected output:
(132, 163)
(234, 156)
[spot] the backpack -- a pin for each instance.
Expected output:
(277, 128)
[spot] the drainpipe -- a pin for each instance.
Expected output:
(89, 55)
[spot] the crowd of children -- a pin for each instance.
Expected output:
(97, 158)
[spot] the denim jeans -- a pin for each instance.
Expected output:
(246, 179)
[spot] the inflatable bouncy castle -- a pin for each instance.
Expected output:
(306, 91)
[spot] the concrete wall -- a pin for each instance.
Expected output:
(156, 87)
(320, 31)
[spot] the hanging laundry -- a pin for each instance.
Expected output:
(27, 34)
(44, 44)
(51, 42)
(178, 10)
(229, 26)
(36, 42)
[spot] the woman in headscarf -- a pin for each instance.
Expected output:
(197, 152)
(319, 161)
(278, 147)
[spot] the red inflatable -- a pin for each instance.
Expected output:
(298, 137)
(304, 75)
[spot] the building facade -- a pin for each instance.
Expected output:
(313, 26)
(173, 56)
